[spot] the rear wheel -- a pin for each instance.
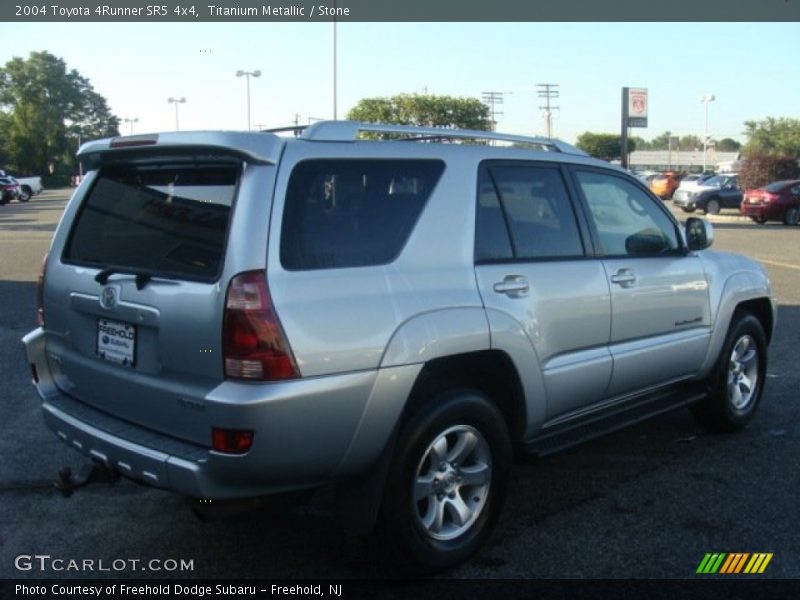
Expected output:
(759, 220)
(447, 482)
(792, 216)
(736, 384)
(689, 209)
(712, 207)
(24, 194)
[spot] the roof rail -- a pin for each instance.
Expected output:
(347, 131)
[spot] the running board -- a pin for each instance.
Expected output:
(585, 428)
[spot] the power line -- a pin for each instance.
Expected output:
(548, 92)
(492, 100)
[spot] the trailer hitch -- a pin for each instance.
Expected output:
(90, 473)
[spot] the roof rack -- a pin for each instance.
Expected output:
(348, 131)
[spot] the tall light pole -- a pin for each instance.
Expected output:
(176, 101)
(247, 75)
(335, 93)
(705, 99)
(131, 121)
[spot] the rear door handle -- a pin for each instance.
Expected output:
(624, 278)
(513, 286)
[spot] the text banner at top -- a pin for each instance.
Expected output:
(401, 10)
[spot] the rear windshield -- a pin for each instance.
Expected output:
(777, 186)
(163, 219)
(353, 213)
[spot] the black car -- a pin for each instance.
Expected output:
(718, 192)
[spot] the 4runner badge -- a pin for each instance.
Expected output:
(109, 296)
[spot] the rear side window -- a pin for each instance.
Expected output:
(532, 204)
(352, 213)
(163, 219)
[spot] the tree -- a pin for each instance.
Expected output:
(690, 142)
(760, 169)
(426, 110)
(776, 137)
(43, 104)
(606, 146)
(728, 145)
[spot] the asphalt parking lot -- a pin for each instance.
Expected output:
(647, 502)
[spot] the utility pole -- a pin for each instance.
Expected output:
(493, 99)
(548, 92)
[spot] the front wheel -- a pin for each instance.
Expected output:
(792, 216)
(736, 384)
(447, 481)
(759, 220)
(712, 207)
(689, 209)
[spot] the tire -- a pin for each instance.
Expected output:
(712, 207)
(792, 216)
(24, 194)
(759, 220)
(688, 209)
(737, 381)
(459, 499)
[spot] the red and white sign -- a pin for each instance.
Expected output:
(637, 107)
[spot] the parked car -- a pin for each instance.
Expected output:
(664, 184)
(718, 192)
(28, 186)
(778, 201)
(693, 180)
(9, 190)
(233, 314)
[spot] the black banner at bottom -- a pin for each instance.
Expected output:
(683, 589)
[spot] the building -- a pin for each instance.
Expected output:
(684, 160)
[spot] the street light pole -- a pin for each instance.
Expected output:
(705, 99)
(248, 75)
(176, 101)
(131, 121)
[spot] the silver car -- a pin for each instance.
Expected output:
(228, 315)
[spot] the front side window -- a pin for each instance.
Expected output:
(353, 213)
(627, 220)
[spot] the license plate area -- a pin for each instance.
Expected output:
(116, 342)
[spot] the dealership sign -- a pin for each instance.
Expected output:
(637, 107)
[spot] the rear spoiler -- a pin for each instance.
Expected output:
(261, 148)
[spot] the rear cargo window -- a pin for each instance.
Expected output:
(351, 213)
(164, 219)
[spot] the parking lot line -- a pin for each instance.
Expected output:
(778, 264)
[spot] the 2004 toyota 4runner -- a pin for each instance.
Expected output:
(230, 315)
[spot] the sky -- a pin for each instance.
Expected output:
(751, 68)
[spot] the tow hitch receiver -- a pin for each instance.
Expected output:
(90, 473)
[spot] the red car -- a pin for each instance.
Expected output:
(778, 201)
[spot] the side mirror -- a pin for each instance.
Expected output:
(699, 234)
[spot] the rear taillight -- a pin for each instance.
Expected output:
(770, 197)
(40, 293)
(253, 342)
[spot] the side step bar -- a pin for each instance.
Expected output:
(597, 424)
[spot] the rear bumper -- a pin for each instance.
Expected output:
(763, 211)
(307, 432)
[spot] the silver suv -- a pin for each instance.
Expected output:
(230, 315)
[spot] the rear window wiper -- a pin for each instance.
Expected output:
(142, 277)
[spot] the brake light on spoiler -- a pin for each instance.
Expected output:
(130, 141)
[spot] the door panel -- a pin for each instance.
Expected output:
(660, 316)
(560, 297)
